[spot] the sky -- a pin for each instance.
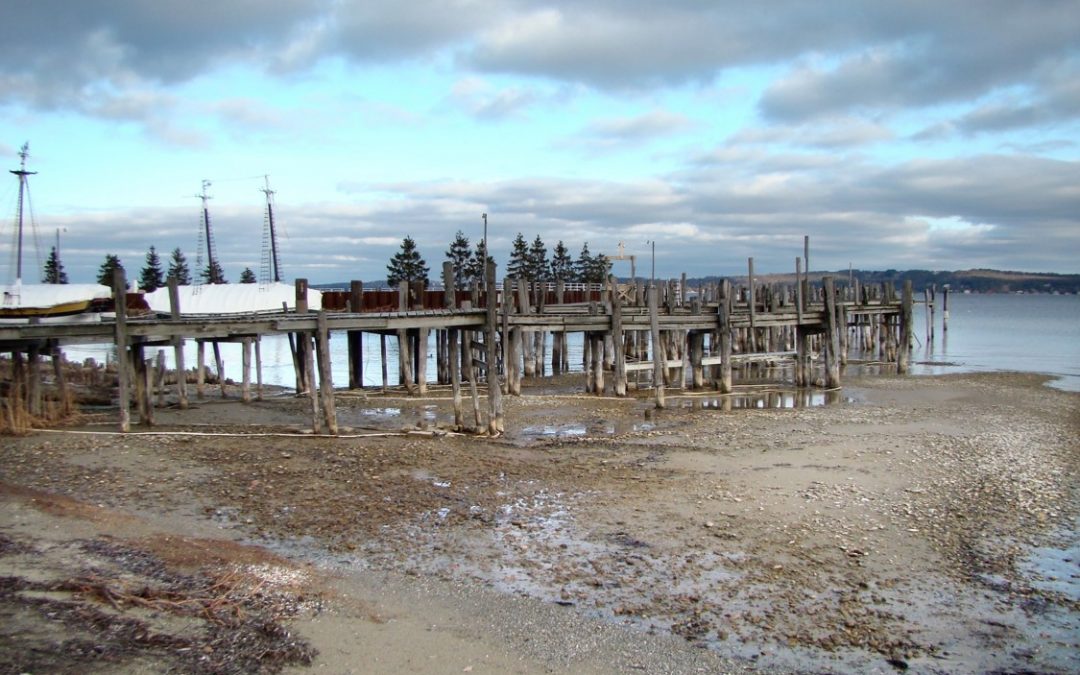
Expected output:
(895, 134)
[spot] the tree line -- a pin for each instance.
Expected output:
(151, 277)
(527, 261)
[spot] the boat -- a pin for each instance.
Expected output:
(42, 301)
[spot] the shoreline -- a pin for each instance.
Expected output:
(883, 533)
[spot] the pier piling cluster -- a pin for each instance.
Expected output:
(637, 336)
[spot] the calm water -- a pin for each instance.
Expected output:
(1031, 333)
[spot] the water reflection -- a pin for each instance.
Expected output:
(798, 398)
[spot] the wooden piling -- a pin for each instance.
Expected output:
(495, 409)
(832, 344)
(178, 345)
(724, 311)
(619, 374)
(326, 380)
(123, 358)
(245, 366)
(200, 365)
(657, 349)
(355, 338)
(903, 355)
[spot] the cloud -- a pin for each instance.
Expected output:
(484, 100)
(937, 54)
(991, 210)
(833, 133)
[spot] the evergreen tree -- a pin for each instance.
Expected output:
(476, 265)
(213, 274)
(105, 272)
(53, 272)
(459, 255)
(562, 266)
(518, 266)
(601, 267)
(247, 276)
(178, 267)
(407, 265)
(151, 278)
(583, 266)
(539, 269)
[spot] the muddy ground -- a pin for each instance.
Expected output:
(922, 524)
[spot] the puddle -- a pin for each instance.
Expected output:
(1056, 569)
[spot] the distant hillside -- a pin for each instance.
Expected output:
(975, 281)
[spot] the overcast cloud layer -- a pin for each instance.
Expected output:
(896, 134)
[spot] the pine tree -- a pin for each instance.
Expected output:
(562, 266)
(601, 267)
(476, 265)
(105, 272)
(178, 268)
(213, 274)
(247, 276)
(583, 266)
(53, 272)
(518, 266)
(151, 278)
(458, 255)
(539, 269)
(407, 265)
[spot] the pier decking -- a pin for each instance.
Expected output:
(673, 337)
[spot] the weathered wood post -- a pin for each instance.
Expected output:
(945, 309)
(724, 309)
(123, 359)
(495, 410)
(657, 349)
(832, 344)
(903, 355)
(355, 338)
(469, 363)
(220, 365)
(511, 339)
(619, 383)
(453, 354)
(245, 367)
(326, 380)
(405, 352)
(524, 337)
(303, 346)
(200, 366)
(159, 377)
(596, 338)
(258, 369)
(751, 301)
(58, 376)
(178, 345)
(695, 342)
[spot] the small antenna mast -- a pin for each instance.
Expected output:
(22, 173)
(207, 230)
(275, 275)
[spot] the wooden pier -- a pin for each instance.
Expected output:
(487, 339)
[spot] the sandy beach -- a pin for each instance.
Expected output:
(926, 524)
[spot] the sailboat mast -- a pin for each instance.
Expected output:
(22, 173)
(276, 274)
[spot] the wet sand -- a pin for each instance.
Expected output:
(926, 524)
